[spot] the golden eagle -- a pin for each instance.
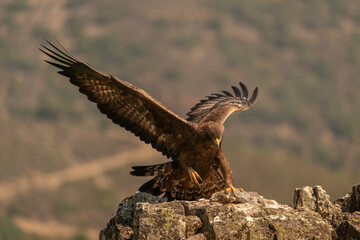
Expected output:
(198, 167)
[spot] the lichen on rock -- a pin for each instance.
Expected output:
(143, 216)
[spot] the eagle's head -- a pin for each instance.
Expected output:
(215, 131)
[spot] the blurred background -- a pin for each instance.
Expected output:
(64, 167)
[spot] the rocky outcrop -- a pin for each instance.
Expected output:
(314, 216)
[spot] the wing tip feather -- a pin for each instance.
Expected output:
(204, 107)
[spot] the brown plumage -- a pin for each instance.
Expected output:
(198, 167)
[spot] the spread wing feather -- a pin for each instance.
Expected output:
(218, 107)
(125, 104)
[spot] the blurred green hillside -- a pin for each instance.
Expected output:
(64, 167)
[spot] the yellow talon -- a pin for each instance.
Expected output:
(194, 176)
(233, 189)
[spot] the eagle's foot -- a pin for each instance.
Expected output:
(230, 195)
(233, 190)
(194, 176)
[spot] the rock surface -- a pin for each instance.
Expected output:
(143, 216)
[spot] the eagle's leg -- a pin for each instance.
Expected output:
(227, 173)
(194, 176)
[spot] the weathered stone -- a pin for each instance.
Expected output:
(354, 203)
(159, 221)
(314, 217)
(125, 232)
(116, 231)
(110, 232)
(233, 222)
(193, 224)
(258, 219)
(226, 197)
(304, 198)
(351, 201)
(255, 221)
(315, 199)
(119, 226)
(350, 228)
(323, 203)
(125, 212)
(343, 202)
(195, 207)
(198, 236)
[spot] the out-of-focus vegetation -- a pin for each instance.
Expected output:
(304, 130)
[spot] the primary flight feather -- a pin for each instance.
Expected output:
(198, 167)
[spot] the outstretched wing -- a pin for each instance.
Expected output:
(125, 104)
(218, 107)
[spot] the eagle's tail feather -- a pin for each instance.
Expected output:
(152, 170)
(152, 187)
(155, 186)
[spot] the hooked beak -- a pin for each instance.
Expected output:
(217, 142)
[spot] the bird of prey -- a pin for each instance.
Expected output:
(198, 167)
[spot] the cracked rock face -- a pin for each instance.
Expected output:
(162, 219)
(315, 199)
(143, 216)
